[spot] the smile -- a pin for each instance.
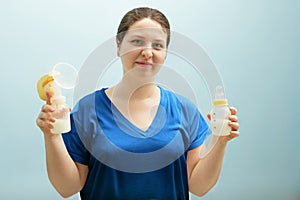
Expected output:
(144, 64)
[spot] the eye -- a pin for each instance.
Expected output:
(137, 42)
(158, 46)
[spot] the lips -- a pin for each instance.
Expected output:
(143, 63)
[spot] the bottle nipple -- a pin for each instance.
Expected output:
(220, 99)
(219, 93)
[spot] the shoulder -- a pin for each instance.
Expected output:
(185, 104)
(88, 101)
(91, 96)
(84, 113)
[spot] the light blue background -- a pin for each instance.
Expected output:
(254, 44)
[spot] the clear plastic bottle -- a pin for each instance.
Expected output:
(62, 111)
(219, 114)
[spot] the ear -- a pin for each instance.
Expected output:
(118, 51)
(118, 47)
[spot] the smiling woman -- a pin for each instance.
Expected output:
(134, 140)
(144, 45)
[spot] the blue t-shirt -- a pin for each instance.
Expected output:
(128, 163)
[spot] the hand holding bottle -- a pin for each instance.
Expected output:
(232, 123)
(224, 121)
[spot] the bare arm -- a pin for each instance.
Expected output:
(67, 176)
(203, 174)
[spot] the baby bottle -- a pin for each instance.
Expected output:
(58, 101)
(219, 114)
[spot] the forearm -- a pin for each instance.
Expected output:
(62, 171)
(207, 170)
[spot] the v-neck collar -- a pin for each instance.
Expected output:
(127, 126)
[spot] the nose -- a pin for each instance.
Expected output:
(147, 52)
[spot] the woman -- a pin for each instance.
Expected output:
(140, 117)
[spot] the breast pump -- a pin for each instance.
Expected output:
(63, 76)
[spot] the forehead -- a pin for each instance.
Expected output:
(145, 23)
(146, 28)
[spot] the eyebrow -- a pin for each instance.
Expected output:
(142, 37)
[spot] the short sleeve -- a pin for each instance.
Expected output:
(199, 129)
(74, 145)
(194, 123)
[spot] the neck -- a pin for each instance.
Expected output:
(135, 85)
(129, 91)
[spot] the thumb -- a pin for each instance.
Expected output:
(49, 95)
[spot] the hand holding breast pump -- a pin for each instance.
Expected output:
(63, 76)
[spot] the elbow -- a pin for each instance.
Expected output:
(199, 193)
(64, 190)
(65, 194)
(200, 190)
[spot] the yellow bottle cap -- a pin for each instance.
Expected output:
(220, 102)
(44, 80)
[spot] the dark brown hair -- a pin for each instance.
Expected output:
(138, 14)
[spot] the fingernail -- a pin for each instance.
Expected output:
(52, 109)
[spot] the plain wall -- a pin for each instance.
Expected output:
(254, 44)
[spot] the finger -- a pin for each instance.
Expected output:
(234, 126)
(235, 133)
(46, 117)
(233, 110)
(47, 108)
(49, 95)
(43, 116)
(233, 118)
(44, 125)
